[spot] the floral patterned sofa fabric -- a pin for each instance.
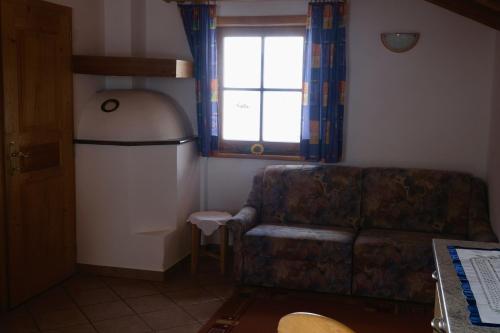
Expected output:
(394, 264)
(479, 220)
(299, 242)
(299, 257)
(351, 230)
(298, 275)
(416, 200)
(242, 222)
(320, 195)
(255, 197)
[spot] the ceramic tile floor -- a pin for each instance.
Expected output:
(86, 303)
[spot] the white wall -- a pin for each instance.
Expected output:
(262, 8)
(165, 38)
(427, 108)
(88, 25)
(88, 39)
(494, 157)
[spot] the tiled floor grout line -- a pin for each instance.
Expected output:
(217, 298)
(124, 301)
(214, 294)
(181, 290)
(182, 308)
(78, 289)
(198, 286)
(119, 297)
(28, 311)
(63, 289)
(80, 308)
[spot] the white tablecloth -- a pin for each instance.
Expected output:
(209, 221)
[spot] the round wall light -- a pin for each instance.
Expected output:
(399, 41)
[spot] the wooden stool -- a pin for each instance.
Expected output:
(208, 222)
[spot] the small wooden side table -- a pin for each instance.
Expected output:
(208, 222)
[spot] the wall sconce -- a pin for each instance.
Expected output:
(399, 41)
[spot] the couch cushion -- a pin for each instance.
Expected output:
(321, 195)
(394, 264)
(416, 200)
(299, 257)
(298, 242)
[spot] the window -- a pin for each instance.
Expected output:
(261, 89)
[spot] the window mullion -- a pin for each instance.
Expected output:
(262, 89)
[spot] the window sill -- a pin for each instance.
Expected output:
(258, 157)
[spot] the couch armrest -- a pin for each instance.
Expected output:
(245, 220)
(479, 222)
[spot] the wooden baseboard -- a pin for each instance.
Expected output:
(126, 273)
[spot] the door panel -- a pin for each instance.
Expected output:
(39, 163)
(37, 70)
(43, 156)
(3, 229)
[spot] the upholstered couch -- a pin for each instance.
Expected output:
(354, 231)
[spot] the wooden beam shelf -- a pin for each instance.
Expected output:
(129, 66)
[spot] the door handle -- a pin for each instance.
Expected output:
(20, 154)
(14, 157)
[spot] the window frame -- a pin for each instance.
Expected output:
(252, 149)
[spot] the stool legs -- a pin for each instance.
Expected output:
(223, 248)
(195, 247)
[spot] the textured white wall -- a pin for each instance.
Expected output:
(88, 38)
(88, 24)
(426, 108)
(165, 37)
(494, 157)
(262, 8)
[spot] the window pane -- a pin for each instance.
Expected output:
(283, 57)
(241, 115)
(282, 116)
(242, 62)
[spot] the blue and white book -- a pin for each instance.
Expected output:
(479, 274)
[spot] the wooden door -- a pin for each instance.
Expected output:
(39, 161)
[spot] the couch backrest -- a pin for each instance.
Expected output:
(321, 195)
(416, 200)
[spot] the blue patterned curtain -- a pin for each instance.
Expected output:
(200, 26)
(324, 82)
